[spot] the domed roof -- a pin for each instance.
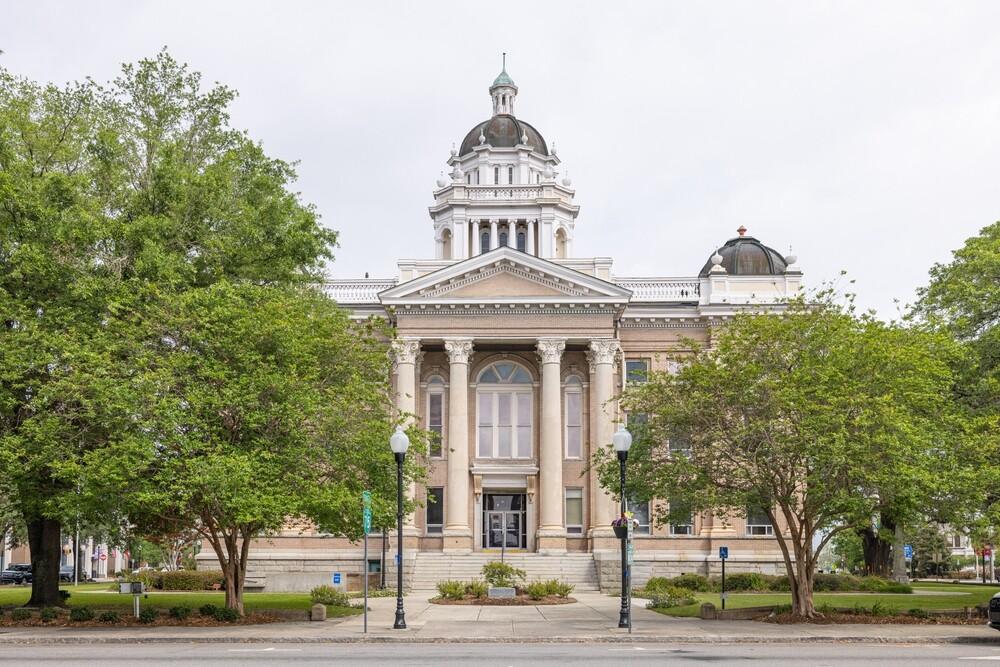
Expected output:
(504, 131)
(746, 256)
(503, 79)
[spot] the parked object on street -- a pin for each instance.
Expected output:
(994, 612)
(19, 573)
(66, 573)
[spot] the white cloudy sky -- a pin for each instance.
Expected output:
(864, 134)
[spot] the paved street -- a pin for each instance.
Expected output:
(500, 655)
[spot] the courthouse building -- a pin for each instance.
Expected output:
(512, 350)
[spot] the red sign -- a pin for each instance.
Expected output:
(104, 556)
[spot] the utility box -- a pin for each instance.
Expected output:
(131, 587)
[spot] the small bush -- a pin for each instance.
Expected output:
(48, 614)
(226, 614)
(148, 578)
(329, 595)
(502, 575)
(207, 610)
(917, 612)
(671, 596)
(21, 614)
(558, 588)
(451, 589)
(148, 615)
(880, 585)
(782, 609)
(746, 581)
(537, 590)
(180, 612)
(692, 582)
(81, 614)
(780, 584)
(64, 595)
(110, 617)
(826, 608)
(477, 589)
(881, 609)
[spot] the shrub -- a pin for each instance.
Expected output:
(148, 615)
(477, 589)
(502, 575)
(746, 581)
(189, 580)
(21, 614)
(180, 612)
(64, 595)
(451, 589)
(81, 614)
(148, 578)
(110, 617)
(880, 585)
(537, 590)
(692, 582)
(780, 584)
(671, 596)
(48, 614)
(657, 584)
(329, 595)
(781, 609)
(881, 609)
(226, 614)
(559, 588)
(917, 612)
(207, 610)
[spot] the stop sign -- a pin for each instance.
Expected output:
(104, 556)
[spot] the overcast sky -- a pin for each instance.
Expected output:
(864, 135)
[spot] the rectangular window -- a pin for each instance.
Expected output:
(574, 424)
(496, 175)
(435, 421)
(758, 523)
(485, 412)
(574, 511)
(504, 425)
(523, 426)
(679, 445)
(640, 512)
(636, 370)
(510, 175)
(435, 510)
(681, 521)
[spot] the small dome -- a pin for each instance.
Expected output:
(503, 131)
(503, 79)
(746, 256)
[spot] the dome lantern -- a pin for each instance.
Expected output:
(503, 91)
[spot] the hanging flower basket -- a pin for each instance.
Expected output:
(621, 532)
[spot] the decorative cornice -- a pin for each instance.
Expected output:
(459, 350)
(603, 351)
(550, 309)
(406, 350)
(550, 350)
(509, 267)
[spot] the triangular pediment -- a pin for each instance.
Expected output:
(505, 274)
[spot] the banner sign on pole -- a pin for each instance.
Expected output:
(908, 551)
(367, 520)
(723, 553)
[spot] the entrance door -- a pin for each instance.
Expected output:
(504, 521)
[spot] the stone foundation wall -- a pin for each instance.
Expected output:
(280, 573)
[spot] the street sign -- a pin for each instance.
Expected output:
(630, 552)
(104, 556)
(368, 520)
(908, 551)
(398, 560)
(336, 577)
(723, 553)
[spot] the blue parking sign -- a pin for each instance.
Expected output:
(336, 577)
(723, 553)
(908, 551)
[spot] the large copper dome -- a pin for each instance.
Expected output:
(504, 131)
(746, 256)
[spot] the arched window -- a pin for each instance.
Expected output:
(561, 244)
(503, 238)
(521, 241)
(484, 242)
(573, 405)
(503, 407)
(435, 415)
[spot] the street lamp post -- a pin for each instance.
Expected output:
(622, 440)
(399, 443)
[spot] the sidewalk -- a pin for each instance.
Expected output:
(594, 618)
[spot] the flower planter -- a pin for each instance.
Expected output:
(621, 532)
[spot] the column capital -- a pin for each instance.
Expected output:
(459, 350)
(603, 351)
(550, 350)
(406, 350)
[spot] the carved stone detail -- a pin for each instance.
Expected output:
(406, 350)
(603, 351)
(550, 350)
(459, 350)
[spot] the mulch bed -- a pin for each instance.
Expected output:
(835, 618)
(519, 601)
(127, 620)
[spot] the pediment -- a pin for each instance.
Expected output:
(505, 274)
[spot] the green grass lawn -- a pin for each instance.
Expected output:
(101, 596)
(938, 596)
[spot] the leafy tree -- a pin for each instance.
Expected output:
(931, 552)
(112, 198)
(812, 415)
(263, 405)
(848, 550)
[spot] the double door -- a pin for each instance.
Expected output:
(504, 521)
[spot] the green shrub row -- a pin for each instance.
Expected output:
(670, 596)
(180, 580)
(329, 595)
(459, 590)
(760, 583)
(538, 590)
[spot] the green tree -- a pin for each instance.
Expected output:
(264, 405)
(112, 198)
(812, 415)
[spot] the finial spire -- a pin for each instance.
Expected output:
(504, 62)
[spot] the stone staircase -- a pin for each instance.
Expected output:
(576, 569)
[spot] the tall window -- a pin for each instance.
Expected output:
(574, 417)
(503, 239)
(522, 242)
(484, 242)
(640, 512)
(636, 370)
(510, 175)
(574, 511)
(435, 415)
(496, 175)
(503, 404)
(435, 509)
(681, 520)
(758, 523)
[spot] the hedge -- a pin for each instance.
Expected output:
(179, 580)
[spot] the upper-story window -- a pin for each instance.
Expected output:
(758, 522)
(573, 402)
(510, 175)
(435, 415)
(484, 242)
(503, 407)
(522, 239)
(636, 370)
(503, 238)
(468, 178)
(496, 175)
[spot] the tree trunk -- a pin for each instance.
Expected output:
(876, 551)
(46, 551)
(898, 557)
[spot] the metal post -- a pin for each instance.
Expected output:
(381, 562)
(364, 573)
(624, 614)
(400, 623)
(76, 555)
(723, 583)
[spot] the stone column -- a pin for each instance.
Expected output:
(551, 528)
(477, 247)
(602, 360)
(457, 534)
(493, 233)
(530, 246)
(407, 355)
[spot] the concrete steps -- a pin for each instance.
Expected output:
(576, 569)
